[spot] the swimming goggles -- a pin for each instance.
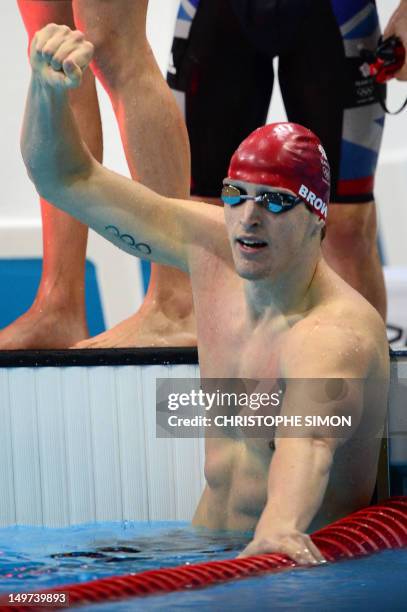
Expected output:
(273, 201)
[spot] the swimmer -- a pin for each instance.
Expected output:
(267, 305)
(57, 318)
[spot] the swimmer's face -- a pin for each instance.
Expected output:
(265, 244)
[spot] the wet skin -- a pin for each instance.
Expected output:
(234, 344)
(267, 306)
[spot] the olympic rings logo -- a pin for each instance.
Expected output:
(326, 172)
(365, 92)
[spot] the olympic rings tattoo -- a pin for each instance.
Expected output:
(128, 240)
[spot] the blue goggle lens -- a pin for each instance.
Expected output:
(231, 195)
(231, 200)
(274, 207)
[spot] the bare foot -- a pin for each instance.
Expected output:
(146, 328)
(43, 328)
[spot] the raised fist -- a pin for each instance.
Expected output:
(59, 56)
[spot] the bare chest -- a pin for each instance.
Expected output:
(229, 348)
(229, 345)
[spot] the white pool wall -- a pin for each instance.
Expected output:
(78, 445)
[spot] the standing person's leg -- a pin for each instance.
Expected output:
(325, 90)
(157, 151)
(57, 317)
(351, 246)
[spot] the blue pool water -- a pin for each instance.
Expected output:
(33, 558)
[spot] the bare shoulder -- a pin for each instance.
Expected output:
(343, 336)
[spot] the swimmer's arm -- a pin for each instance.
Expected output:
(128, 214)
(125, 212)
(297, 482)
(300, 467)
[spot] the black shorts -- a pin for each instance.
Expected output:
(221, 71)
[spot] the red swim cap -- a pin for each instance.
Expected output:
(285, 155)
